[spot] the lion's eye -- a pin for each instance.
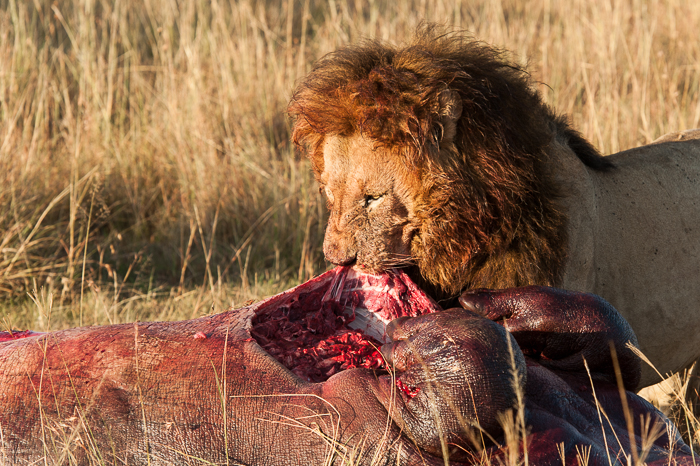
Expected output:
(329, 193)
(372, 200)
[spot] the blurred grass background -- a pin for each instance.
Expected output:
(145, 164)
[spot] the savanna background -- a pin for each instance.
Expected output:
(146, 171)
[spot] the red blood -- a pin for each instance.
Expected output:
(200, 336)
(408, 391)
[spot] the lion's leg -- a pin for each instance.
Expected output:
(678, 397)
(688, 417)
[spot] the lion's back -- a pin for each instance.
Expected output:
(647, 245)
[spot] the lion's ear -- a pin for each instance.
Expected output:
(450, 105)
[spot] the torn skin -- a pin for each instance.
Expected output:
(330, 328)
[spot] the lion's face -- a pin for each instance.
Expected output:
(372, 208)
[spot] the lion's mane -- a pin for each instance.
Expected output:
(489, 215)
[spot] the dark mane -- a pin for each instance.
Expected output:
(490, 215)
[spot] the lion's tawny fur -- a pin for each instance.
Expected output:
(485, 197)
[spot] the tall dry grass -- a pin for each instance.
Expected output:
(145, 164)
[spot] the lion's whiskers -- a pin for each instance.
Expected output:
(397, 260)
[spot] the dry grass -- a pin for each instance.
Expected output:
(145, 165)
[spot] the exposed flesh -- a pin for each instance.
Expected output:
(336, 321)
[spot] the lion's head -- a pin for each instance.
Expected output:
(434, 155)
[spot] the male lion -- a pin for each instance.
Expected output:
(440, 157)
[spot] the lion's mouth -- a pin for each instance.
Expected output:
(336, 321)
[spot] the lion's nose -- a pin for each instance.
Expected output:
(344, 261)
(338, 255)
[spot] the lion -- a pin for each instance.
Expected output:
(441, 158)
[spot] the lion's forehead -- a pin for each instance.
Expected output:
(354, 164)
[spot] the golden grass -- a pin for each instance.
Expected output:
(145, 165)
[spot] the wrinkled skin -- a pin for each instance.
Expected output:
(173, 393)
(439, 358)
(562, 328)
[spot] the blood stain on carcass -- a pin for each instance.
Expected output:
(17, 334)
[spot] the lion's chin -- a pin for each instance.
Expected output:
(376, 267)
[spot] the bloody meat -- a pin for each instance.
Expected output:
(309, 329)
